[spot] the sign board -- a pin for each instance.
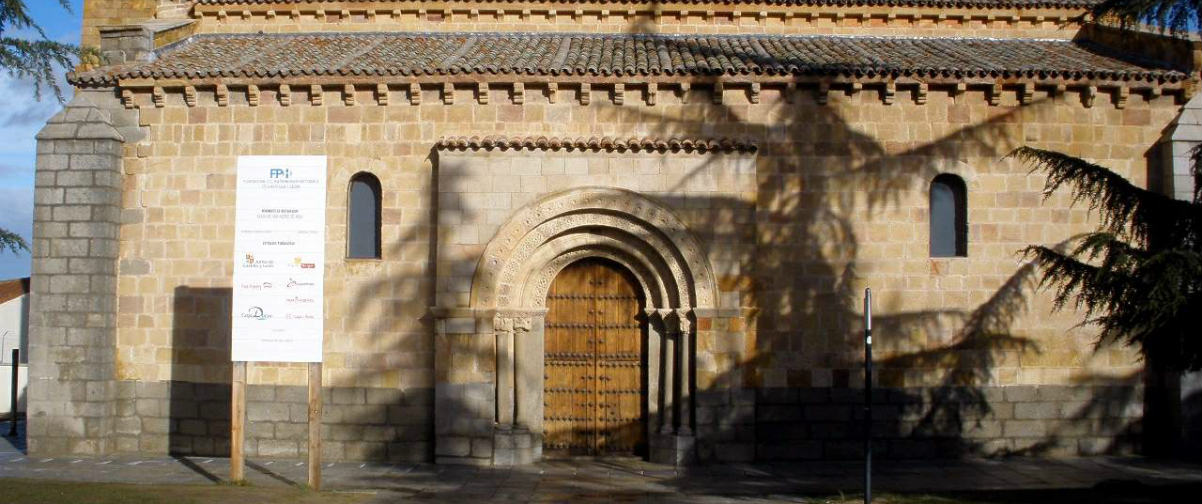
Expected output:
(279, 259)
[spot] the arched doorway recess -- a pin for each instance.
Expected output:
(663, 259)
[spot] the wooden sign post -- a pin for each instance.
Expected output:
(277, 312)
(238, 422)
(315, 425)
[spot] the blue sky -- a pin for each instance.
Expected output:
(21, 116)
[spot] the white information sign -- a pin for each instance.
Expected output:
(279, 258)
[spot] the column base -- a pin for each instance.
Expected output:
(516, 446)
(673, 449)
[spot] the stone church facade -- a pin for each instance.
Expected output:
(603, 227)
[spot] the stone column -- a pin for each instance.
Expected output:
(505, 372)
(668, 424)
(73, 299)
(512, 443)
(683, 377)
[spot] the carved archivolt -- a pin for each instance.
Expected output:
(542, 238)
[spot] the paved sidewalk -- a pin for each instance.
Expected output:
(636, 481)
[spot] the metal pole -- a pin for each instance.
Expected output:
(12, 421)
(867, 396)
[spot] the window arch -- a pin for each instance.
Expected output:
(949, 216)
(363, 217)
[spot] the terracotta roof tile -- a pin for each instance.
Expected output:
(984, 4)
(12, 289)
(276, 56)
(650, 144)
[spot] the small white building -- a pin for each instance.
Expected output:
(14, 333)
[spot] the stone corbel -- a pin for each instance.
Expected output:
(552, 91)
(222, 94)
(889, 93)
(519, 93)
(415, 94)
(854, 88)
(822, 95)
(348, 95)
(158, 96)
(482, 93)
(1088, 94)
(285, 95)
(921, 94)
(684, 92)
(382, 94)
(586, 92)
(1026, 93)
(958, 90)
(448, 93)
(316, 96)
(127, 98)
(652, 91)
(252, 95)
(753, 93)
(994, 94)
(619, 95)
(719, 90)
(190, 96)
(270, 15)
(1120, 97)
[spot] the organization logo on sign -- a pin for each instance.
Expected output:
(278, 173)
(256, 313)
(297, 261)
(293, 283)
(249, 261)
(299, 300)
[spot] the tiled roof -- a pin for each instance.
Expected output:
(984, 4)
(274, 57)
(13, 289)
(650, 144)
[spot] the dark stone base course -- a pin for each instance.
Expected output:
(946, 422)
(368, 424)
(360, 424)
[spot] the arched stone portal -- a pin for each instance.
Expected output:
(512, 280)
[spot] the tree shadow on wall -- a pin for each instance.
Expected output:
(197, 403)
(819, 174)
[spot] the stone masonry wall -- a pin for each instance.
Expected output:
(840, 204)
(909, 423)
(77, 213)
(193, 419)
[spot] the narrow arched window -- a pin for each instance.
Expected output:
(949, 217)
(363, 217)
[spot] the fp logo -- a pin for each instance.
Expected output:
(280, 173)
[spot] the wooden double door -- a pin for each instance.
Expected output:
(595, 381)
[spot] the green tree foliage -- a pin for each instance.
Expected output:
(1176, 16)
(1139, 275)
(12, 242)
(35, 57)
